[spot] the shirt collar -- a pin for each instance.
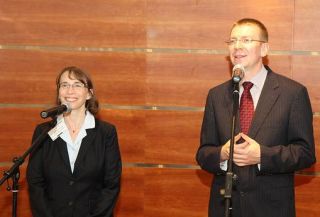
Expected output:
(259, 79)
(89, 121)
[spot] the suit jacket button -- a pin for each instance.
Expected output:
(70, 203)
(71, 183)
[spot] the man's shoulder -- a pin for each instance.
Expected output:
(285, 82)
(221, 88)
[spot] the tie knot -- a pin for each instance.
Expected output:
(247, 85)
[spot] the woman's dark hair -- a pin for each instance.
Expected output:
(92, 104)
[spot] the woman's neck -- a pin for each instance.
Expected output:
(74, 121)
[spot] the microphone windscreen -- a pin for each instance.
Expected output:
(68, 107)
(237, 73)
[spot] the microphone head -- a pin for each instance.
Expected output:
(64, 107)
(68, 107)
(44, 114)
(237, 73)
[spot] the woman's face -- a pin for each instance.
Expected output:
(73, 92)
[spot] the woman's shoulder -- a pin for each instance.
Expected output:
(45, 125)
(105, 126)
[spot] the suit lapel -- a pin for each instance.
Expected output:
(62, 149)
(268, 98)
(87, 141)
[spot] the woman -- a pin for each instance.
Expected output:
(78, 173)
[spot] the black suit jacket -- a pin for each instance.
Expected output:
(282, 125)
(91, 190)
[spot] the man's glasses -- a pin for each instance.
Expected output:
(75, 86)
(245, 41)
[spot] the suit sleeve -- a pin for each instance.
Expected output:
(112, 174)
(37, 182)
(299, 153)
(208, 154)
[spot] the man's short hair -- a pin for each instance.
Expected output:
(261, 26)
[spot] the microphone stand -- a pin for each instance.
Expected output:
(230, 176)
(14, 171)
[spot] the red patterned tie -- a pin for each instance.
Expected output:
(246, 114)
(246, 108)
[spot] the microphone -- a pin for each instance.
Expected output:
(55, 111)
(237, 73)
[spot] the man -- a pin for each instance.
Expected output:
(274, 132)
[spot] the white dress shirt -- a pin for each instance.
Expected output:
(74, 147)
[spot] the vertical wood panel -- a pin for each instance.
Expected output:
(172, 137)
(307, 196)
(177, 193)
(206, 24)
(113, 23)
(306, 23)
(132, 194)
(306, 70)
(30, 75)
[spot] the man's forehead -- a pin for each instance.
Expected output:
(245, 30)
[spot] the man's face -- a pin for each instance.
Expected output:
(246, 52)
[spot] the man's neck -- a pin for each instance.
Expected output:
(249, 74)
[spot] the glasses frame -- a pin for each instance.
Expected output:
(245, 41)
(74, 86)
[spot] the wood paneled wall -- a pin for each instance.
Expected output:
(152, 63)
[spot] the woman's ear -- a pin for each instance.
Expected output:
(90, 94)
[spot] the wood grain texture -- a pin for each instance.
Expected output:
(306, 22)
(139, 23)
(157, 137)
(131, 129)
(132, 198)
(306, 70)
(119, 78)
(129, 79)
(16, 131)
(307, 196)
(176, 193)
(207, 24)
(115, 23)
(184, 79)
(172, 137)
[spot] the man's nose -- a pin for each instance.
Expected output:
(238, 44)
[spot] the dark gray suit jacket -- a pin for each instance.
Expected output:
(91, 190)
(282, 125)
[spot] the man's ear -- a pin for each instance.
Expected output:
(264, 49)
